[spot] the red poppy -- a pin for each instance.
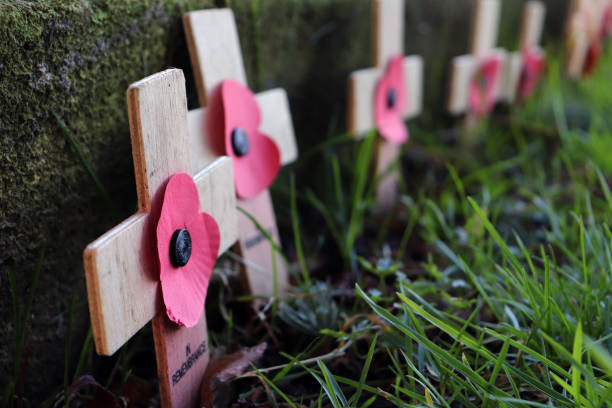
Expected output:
(592, 57)
(533, 66)
(187, 247)
(485, 84)
(233, 121)
(390, 102)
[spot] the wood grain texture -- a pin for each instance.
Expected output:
(534, 13)
(362, 88)
(214, 49)
(485, 24)
(463, 69)
(157, 110)
(121, 268)
(257, 251)
(388, 30)
(182, 356)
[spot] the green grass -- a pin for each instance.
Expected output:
(496, 285)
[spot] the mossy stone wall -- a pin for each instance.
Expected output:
(74, 59)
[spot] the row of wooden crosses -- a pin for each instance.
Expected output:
(195, 168)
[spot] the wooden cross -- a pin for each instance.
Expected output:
(121, 266)
(485, 22)
(584, 21)
(530, 35)
(214, 49)
(388, 41)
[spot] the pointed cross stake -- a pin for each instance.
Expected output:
(388, 41)
(531, 33)
(214, 49)
(485, 24)
(582, 31)
(121, 266)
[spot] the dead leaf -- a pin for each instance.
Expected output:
(222, 369)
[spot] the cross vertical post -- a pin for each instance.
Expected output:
(532, 26)
(388, 42)
(583, 34)
(121, 267)
(214, 50)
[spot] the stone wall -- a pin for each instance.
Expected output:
(74, 60)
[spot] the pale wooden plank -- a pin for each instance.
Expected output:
(413, 75)
(182, 356)
(388, 30)
(512, 75)
(157, 110)
(214, 49)
(577, 37)
(463, 68)
(534, 14)
(120, 268)
(254, 247)
(387, 155)
(122, 286)
(217, 194)
(362, 88)
(276, 123)
(484, 26)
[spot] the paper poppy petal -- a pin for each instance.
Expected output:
(388, 117)
(184, 288)
(256, 170)
(240, 109)
(484, 87)
(592, 58)
(533, 66)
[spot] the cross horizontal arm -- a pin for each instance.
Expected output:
(512, 76)
(120, 267)
(362, 88)
(463, 69)
(275, 122)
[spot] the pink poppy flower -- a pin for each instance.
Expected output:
(485, 85)
(187, 247)
(390, 102)
(533, 67)
(233, 120)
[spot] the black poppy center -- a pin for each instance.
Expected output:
(391, 98)
(180, 247)
(240, 141)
